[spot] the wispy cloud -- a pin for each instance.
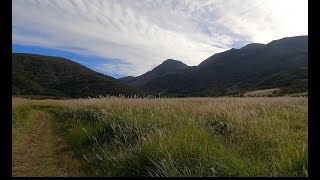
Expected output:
(143, 33)
(116, 69)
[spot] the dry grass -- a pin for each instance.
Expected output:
(186, 137)
(261, 93)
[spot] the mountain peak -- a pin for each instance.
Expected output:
(253, 46)
(171, 61)
(170, 65)
(166, 67)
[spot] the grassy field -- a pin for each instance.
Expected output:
(38, 149)
(261, 93)
(259, 136)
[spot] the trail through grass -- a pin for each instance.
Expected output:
(38, 151)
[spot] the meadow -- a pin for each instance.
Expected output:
(225, 136)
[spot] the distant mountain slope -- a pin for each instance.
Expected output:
(128, 79)
(167, 67)
(53, 76)
(252, 67)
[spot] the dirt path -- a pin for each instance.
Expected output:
(41, 152)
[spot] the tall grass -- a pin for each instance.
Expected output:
(189, 136)
(21, 112)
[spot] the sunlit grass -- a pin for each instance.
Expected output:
(186, 137)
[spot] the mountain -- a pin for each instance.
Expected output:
(253, 46)
(54, 76)
(128, 79)
(167, 67)
(281, 63)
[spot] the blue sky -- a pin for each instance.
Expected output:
(130, 37)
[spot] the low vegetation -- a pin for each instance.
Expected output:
(261, 93)
(259, 136)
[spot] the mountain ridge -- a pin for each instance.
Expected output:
(236, 70)
(281, 63)
(34, 74)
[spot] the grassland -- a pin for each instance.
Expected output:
(37, 148)
(259, 136)
(261, 93)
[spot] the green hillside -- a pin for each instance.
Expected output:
(59, 77)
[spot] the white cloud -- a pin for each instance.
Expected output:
(143, 33)
(116, 69)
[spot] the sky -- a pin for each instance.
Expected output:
(130, 37)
